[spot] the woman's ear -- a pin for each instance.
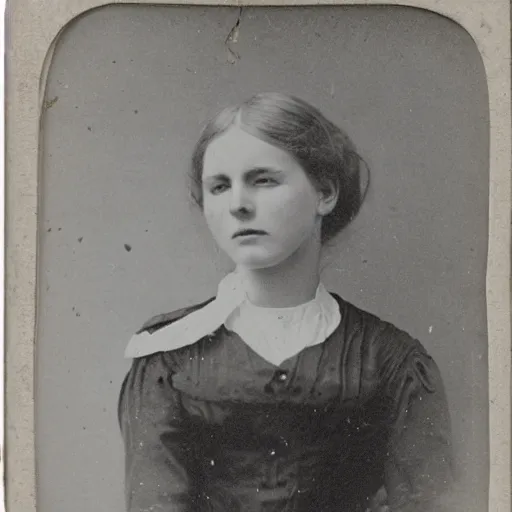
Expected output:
(328, 197)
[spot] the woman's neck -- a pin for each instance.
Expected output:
(288, 284)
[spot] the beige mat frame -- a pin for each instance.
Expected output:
(33, 26)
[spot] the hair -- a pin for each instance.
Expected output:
(323, 150)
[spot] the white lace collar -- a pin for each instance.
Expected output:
(229, 299)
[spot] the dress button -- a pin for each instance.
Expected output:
(282, 376)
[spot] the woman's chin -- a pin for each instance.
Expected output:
(258, 261)
(253, 263)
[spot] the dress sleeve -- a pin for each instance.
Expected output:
(156, 456)
(419, 471)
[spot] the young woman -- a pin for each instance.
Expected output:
(277, 394)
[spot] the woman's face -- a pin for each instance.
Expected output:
(258, 202)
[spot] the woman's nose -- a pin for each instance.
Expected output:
(240, 202)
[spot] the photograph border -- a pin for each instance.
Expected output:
(32, 30)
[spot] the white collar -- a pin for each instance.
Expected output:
(202, 322)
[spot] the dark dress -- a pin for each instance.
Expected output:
(215, 427)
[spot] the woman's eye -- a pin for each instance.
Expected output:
(217, 189)
(265, 181)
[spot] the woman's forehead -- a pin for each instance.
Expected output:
(237, 151)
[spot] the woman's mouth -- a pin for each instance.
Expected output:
(249, 232)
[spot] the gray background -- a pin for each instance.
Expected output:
(128, 91)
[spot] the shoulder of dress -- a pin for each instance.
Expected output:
(371, 327)
(162, 320)
(399, 356)
(378, 331)
(382, 342)
(385, 355)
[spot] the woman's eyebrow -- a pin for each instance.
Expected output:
(256, 171)
(249, 174)
(215, 177)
